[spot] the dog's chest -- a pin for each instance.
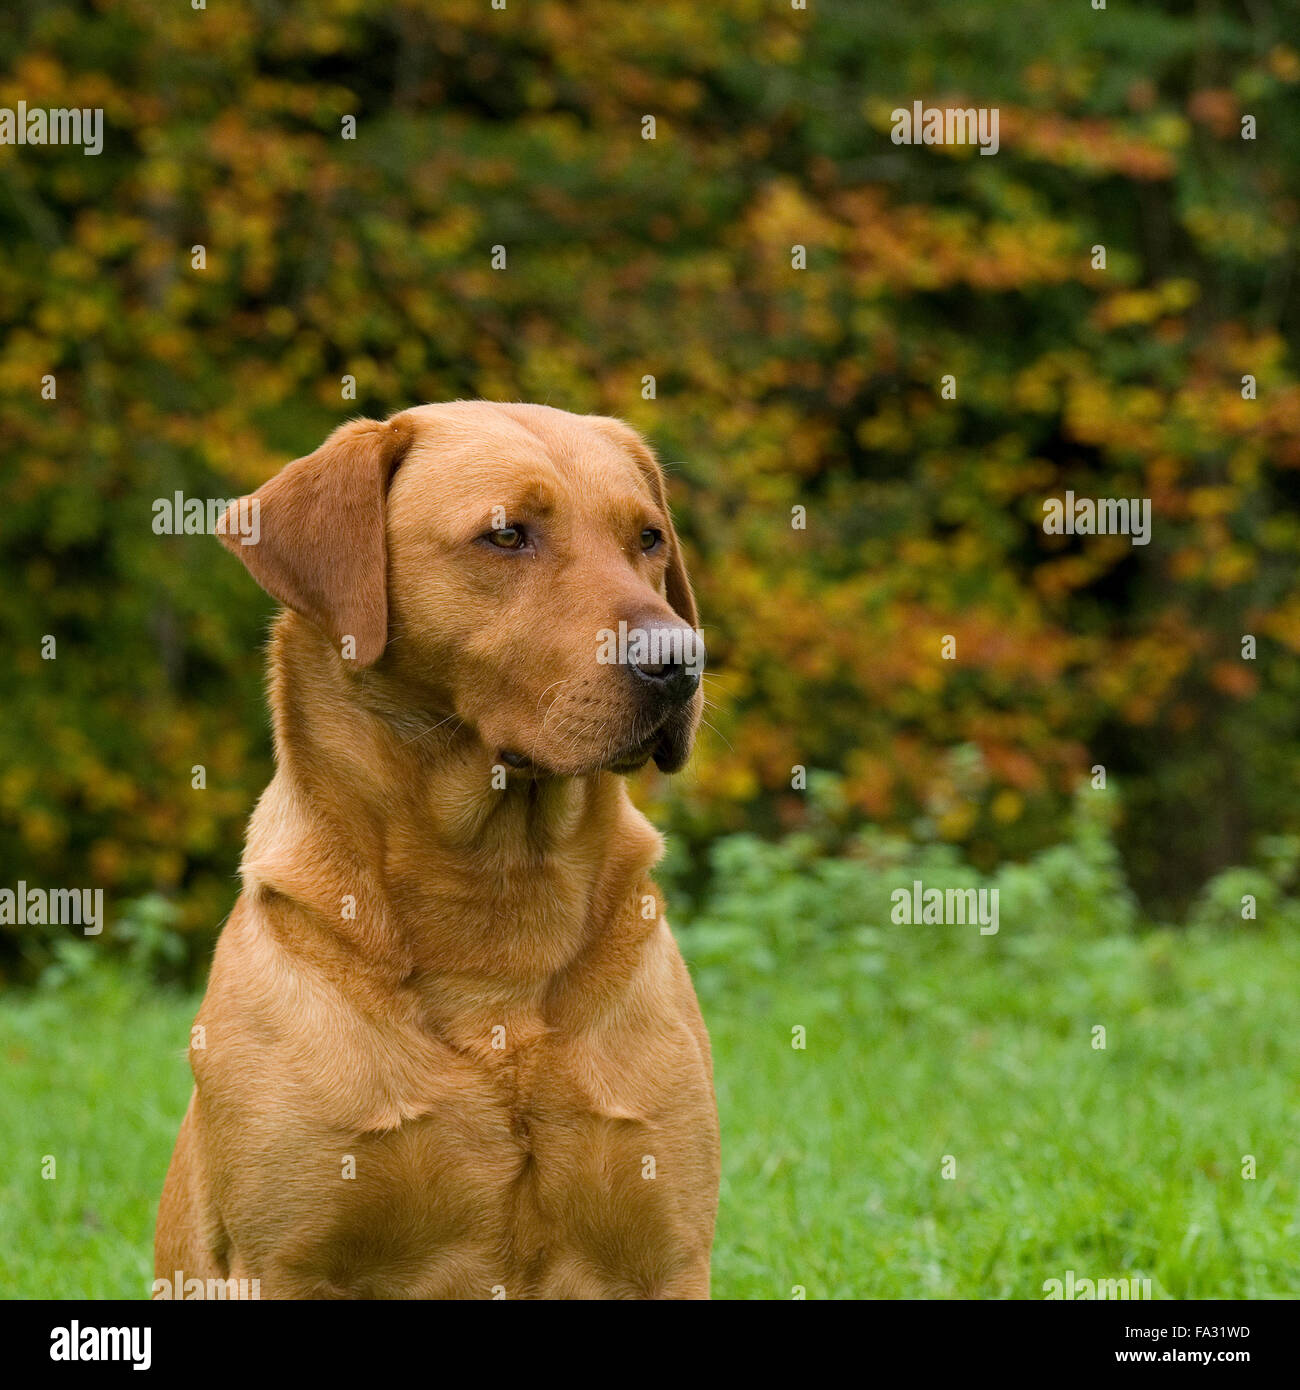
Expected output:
(548, 1171)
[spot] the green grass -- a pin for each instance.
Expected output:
(1112, 1163)
(95, 1074)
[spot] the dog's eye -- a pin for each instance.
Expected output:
(650, 538)
(508, 538)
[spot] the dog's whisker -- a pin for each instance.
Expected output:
(432, 728)
(552, 686)
(717, 731)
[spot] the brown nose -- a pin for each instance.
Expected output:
(668, 658)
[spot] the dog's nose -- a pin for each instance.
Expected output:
(669, 659)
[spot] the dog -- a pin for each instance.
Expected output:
(449, 1048)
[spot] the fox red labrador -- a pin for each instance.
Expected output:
(449, 1048)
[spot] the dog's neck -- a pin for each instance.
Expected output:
(435, 863)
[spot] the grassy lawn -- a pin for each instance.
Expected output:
(1119, 1162)
(1111, 1163)
(96, 1075)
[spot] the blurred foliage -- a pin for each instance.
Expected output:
(776, 387)
(776, 906)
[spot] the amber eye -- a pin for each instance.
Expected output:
(507, 538)
(650, 538)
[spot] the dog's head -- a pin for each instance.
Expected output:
(513, 565)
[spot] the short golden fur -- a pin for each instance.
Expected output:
(466, 992)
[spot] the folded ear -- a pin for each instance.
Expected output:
(677, 583)
(317, 539)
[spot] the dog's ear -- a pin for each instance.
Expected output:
(677, 583)
(317, 539)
